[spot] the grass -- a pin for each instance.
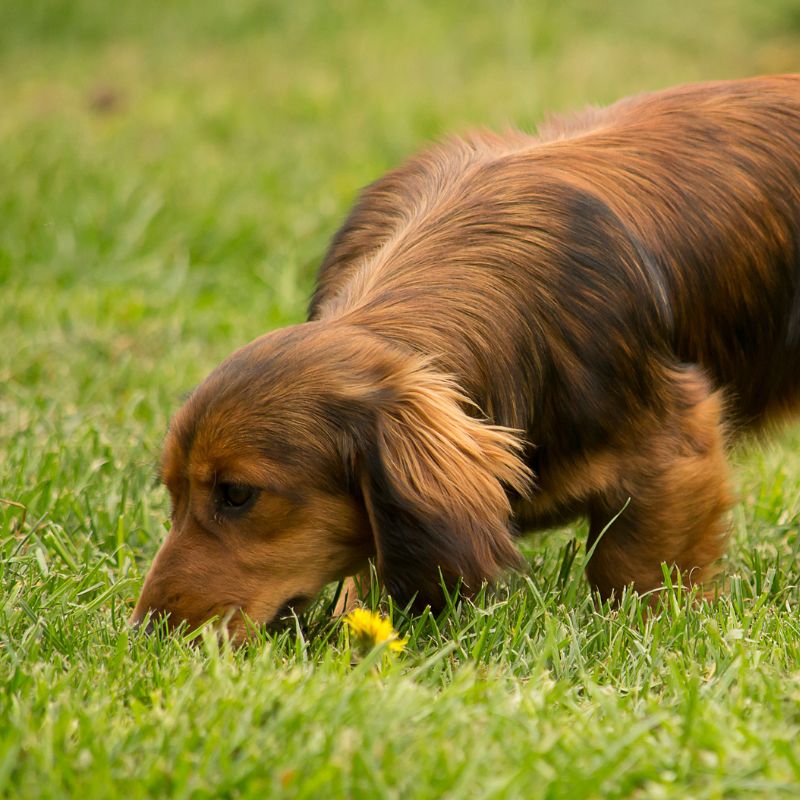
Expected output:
(170, 175)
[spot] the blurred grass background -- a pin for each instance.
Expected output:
(170, 173)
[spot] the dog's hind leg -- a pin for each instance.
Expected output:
(676, 477)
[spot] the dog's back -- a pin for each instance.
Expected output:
(676, 212)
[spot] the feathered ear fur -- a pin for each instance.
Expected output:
(433, 481)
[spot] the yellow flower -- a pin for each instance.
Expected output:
(371, 629)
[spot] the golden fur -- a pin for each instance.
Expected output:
(507, 332)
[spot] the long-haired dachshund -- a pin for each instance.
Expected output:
(508, 332)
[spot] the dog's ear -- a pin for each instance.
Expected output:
(434, 484)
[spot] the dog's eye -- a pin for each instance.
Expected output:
(235, 495)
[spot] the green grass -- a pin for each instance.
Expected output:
(170, 173)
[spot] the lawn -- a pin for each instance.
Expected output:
(169, 175)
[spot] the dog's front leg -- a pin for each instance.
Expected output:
(676, 478)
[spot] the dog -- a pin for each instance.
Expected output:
(507, 333)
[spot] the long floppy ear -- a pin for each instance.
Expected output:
(433, 481)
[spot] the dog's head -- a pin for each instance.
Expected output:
(308, 452)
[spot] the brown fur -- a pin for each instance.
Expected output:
(508, 332)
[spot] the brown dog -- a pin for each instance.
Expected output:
(507, 332)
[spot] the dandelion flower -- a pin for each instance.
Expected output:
(370, 629)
